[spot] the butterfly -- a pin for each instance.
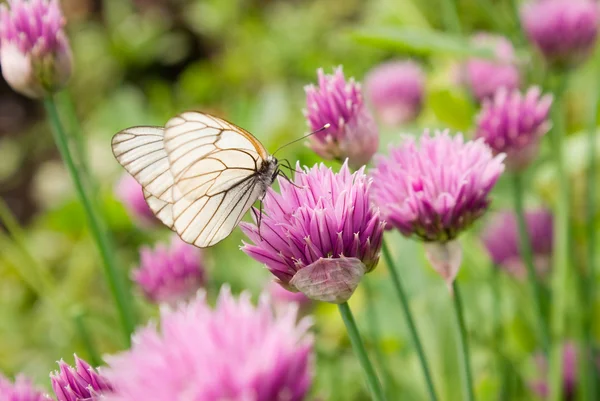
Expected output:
(200, 174)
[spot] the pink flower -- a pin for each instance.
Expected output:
(131, 194)
(501, 239)
(35, 53)
(570, 383)
(79, 383)
(564, 31)
(320, 235)
(484, 77)
(435, 189)
(513, 124)
(396, 91)
(21, 390)
(170, 274)
(353, 133)
(235, 352)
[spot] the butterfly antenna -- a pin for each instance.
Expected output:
(323, 128)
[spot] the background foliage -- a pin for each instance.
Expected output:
(142, 61)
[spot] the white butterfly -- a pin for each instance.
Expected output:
(200, 173)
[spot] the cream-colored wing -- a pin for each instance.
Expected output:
(216, 169)
(140, 150)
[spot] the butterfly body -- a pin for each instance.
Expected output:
(200, 173)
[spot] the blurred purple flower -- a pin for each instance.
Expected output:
(283, 297)
(353, 133)
(131, 195)
(21, 390)
(79, 383)
(321, 234)
(235, 352)
(34, 51)
(484, 77)
(396, 90)
(168, 274)
(541, 387)
(513, 124)
(501, 239)
(564, 31)
(434, 190)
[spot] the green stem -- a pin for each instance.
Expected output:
(409, 320)
(589, 364)
(560, 258)
(373, 321)
(114, 277)
(76, 133)
(498, 334)
(361, 353)
(527, 255)
(514, 4)
(86, 338)
(463, 345)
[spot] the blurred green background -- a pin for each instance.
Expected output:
(139, 62)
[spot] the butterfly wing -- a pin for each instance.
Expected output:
(140, 150)
(216, 168)
(200, 173)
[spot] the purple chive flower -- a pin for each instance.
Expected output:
(34, 51)
(513, 124)
(564, 31)
(396, 90)
(484, 77)
(131, 194)
(541, 386)
(79, 383)
(501, 239)
(320, 235)
(21, 390)
(235, 352)
(168, 274)
(434, 189)
(352, 133)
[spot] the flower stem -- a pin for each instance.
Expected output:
(114, 277)
(409, 320)
(527, 255)
(86, 337)
(589, 364)
(463, 345)
(361, 352)
(560, 257)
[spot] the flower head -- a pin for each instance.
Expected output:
(235, 352)
(79, 383)
(564, 31)
(34, 51)
(352, 133)
(321, 234)
(131, 195)
(569, 363)
(170, 273)
(484, 77)
(21, 390)
(436, 188)
(513, 124)
(501, 239)
(396, 91)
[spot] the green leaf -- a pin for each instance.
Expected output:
(420, 41)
